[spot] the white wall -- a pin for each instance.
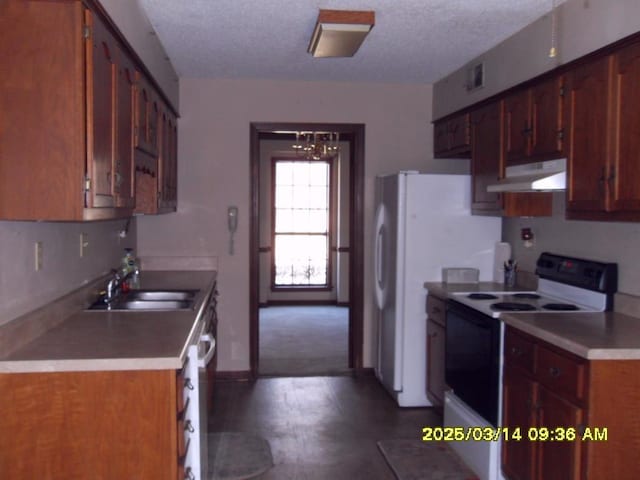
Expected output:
(214, 173)
(583, 26)
(22, 289)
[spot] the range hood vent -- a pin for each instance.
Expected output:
(533, 177)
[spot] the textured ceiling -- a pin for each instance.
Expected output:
(413, 41)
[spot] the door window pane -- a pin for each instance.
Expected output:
(301, 223)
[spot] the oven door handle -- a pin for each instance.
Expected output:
(208, 338)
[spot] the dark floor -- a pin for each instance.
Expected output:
(319, 428)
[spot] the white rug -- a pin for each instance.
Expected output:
(237, 455)
(413, 459)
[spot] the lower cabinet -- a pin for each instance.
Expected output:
(576, 417)
(103, 425)
(435, 350)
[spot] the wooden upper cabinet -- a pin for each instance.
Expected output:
(588, 88)
(147, 117)
(168, 197)
(517, 126)
(67, 115)
(123, 178)
(624, 166)
(486, 164)
(604, 156)
(452, 137)
(101, 105)
(533, 123)
(547, 119)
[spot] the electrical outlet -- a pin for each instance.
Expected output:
(38, 256)
(84, 243)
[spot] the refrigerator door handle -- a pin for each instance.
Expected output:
(378, 257)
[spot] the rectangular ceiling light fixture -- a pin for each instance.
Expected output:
(339, 33)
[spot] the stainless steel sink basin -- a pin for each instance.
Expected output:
(162, 295)
(149, 300)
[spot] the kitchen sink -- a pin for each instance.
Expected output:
(148, 300)
(162, 295)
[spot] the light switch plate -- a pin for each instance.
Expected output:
(38, 256)
(84, 243)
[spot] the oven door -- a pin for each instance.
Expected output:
(472, 359)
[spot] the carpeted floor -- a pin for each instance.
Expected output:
(301, 341)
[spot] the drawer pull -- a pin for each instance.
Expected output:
(188, 426)
(554, 372)
(516, 352)
(188, 384)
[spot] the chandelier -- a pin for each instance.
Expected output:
(316, 145)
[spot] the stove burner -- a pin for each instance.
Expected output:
(560, 307)
(532, 296)
(481, 296)
(512, 306)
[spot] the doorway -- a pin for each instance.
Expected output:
(354, 251)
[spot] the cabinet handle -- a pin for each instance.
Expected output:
(554, 372)
(602, 179)
(188, 384)
(516, 352)
(188, 474)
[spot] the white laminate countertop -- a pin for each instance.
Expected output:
(594, 336)
(124, 340)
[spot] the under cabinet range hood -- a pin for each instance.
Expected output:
(533, 177)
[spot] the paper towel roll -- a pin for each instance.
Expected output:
(502, 254)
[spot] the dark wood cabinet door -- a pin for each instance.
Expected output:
(558, 460)
(124, 174)
(587, 116)
(547, 134)
(519, 393)
(624, 170)
(435, 362)
(459, 137)
(101, 51)
(486, 165)
(517, 127)
(440, 138)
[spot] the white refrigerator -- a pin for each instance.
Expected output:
(423, 223)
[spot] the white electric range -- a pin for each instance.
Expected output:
(474, 338)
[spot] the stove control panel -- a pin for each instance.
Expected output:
(588, 274)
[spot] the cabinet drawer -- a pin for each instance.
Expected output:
(436, 309)
(561, 373)
(519, 351)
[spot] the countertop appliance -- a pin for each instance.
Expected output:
(423, 223)
(474, 343)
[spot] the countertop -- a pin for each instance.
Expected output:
(594, 336)
(124, 340)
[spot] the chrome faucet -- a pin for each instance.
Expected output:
(112, 287)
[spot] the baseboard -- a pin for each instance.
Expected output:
(234, 376)
(364, 372)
